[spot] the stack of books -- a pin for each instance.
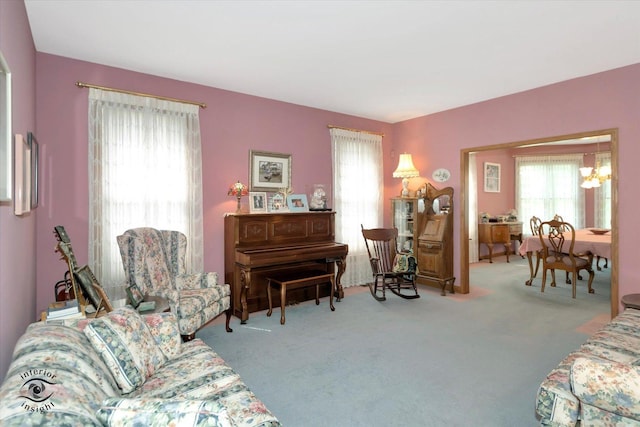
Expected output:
(64, 310)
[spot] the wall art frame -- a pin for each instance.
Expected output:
(269, 171)
(297, 203)
(6, 157)
(491, 177)
(257, 202)
(32, 142)
(21, 176)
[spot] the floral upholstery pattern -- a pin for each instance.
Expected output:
(607, 386)
(164, 330)
(592, 384)
(77, 388)
(154, 260)
(199, 373)
(161, 412)
(127, 347)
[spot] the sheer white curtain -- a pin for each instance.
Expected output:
(550, 185)
(145, 170)
(602, 195)
(358, 187)
(472, 197)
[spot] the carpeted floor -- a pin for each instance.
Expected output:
(459, 360)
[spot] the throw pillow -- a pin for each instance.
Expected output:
(166, 332)
(162, 412)
(127, 347)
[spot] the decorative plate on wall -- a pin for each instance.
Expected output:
(441, 175)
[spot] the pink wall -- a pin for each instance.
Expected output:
(601, 101)
(234, 123)
(17, 234)
(231, 125)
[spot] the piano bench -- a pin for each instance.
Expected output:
(298, 279)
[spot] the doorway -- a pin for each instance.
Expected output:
(464, 205)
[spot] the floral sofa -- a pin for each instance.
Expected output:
(123, 369)
(599, 383)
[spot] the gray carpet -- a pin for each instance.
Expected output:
(460, 360)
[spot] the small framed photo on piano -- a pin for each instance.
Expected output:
(257, 202)
(297, 203)
(277, 203)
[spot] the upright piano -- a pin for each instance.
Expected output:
(257, 245)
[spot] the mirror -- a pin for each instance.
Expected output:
(465, 195)
(5, 131)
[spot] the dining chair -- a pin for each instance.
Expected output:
(534, 224)
(557, 217)
(392, 270)
(557, 239)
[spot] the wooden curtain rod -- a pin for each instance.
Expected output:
(355, 130)
(164, 98)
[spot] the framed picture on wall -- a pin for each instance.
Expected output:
(491, 177)
(21, 176)
(32, 142)
(269, 171)
(6, 185)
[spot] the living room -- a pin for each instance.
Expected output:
(46, 101)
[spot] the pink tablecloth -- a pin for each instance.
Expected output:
(585, 241)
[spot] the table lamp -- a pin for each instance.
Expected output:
(405, 170)
(238, 189)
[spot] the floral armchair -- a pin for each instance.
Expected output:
(154, 261)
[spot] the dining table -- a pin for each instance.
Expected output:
(586, 240)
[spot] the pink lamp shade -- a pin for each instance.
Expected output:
(238, 189)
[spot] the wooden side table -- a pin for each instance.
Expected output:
(631, 301)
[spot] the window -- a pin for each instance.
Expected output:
(357, 183)
(550, 185)
(145, 171)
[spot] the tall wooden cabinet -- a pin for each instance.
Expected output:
(435, 240)
(405, 215)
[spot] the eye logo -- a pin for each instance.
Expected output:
(35, 390)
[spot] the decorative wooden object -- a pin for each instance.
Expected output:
(435, 243)
(260, 245)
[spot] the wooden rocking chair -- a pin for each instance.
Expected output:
(392, 270)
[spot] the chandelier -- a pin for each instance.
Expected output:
(593, 178)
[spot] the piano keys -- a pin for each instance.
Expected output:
(257, 245)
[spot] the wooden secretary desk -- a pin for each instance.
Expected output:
(435, 243)
(259, 245)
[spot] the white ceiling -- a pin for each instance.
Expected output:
(383, 60)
